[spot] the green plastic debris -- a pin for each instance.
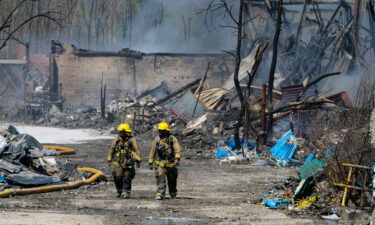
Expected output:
(311, 169)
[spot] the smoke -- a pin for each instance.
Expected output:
(181, 26)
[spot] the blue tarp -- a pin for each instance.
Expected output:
(284, 150)
(221, 153)
(230, 145)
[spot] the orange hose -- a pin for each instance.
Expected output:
(62, 150)
(26, 191)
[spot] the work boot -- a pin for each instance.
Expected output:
(125, 195)
(118, 195)
(159, 196)
(173, 196)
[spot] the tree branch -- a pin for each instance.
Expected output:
(44, 15)
(229, 11)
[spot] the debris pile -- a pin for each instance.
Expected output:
(336, 173)
(24, 162)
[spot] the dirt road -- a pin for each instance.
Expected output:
(209, 193)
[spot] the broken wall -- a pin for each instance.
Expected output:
(80, 72)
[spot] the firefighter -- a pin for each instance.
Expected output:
(123, 154)
(165, 153)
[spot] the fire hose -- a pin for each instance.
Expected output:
(61, 150)
(97, 175)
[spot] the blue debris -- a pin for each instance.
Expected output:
(232, 143)
(309, 158)
(284, 150)
(221, 153)
(277, 203)
(2, 179)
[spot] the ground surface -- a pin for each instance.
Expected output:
(209, 193)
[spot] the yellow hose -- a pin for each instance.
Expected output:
(26, 191)
(62, 150)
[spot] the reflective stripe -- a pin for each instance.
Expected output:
(123, 151)
(159, 194)
(109, 158)
(161, 164)
(123, 165)
(150, 161)
(137, 157)
(178, 156)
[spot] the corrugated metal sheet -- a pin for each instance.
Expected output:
(184, 107)
(284, 149)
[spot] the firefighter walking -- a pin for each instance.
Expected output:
(123, 154)
(165, 153)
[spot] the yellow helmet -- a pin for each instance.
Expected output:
(124, 126)
(164, 126)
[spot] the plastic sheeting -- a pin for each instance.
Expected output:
(26, 178)
(9, 167)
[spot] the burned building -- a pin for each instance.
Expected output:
(78, 74)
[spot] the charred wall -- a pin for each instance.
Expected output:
(80, 73)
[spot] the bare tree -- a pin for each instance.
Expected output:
(216, 5)
(88, 19)
(8, 29)
(273, 66)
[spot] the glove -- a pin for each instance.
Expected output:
(176, 162)
(138, 164)
(109, 163)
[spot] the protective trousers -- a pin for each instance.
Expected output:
(123, 178)
(169, 173)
